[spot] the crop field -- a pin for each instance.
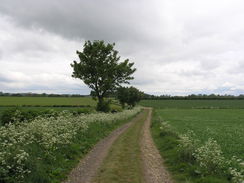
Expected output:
(201, 104)
(222, 120)
(226, 126)
(46, 101)
(40, 104)
(205, 130)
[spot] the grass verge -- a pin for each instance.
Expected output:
(182, 170)
(123, 163)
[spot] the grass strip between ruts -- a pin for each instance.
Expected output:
(123, 162)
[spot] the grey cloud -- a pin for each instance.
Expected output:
(193, 73)
(56, 84)
(108, 20)
(4, 79)
(178, 47)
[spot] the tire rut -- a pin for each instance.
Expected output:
(154, 170)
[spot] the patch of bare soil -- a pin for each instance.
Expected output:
(154, 170)
(88, 166)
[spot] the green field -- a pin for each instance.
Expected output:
(46, 101)
(201, 104)
(86, 104)
(226, 126)
(220, 120)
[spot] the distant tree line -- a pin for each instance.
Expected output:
(144, 96)
(193, 97)
(40, 95)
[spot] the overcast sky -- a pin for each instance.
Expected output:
(179, 47)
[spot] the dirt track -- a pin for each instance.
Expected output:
(153, 169)
(88, 166)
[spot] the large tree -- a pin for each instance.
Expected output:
(100, 69)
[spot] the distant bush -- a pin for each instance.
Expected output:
(129, 95)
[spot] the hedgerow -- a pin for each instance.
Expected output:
(20, 114)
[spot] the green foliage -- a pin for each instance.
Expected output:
(7, 116)
(103, 106)
(20, 114)
(17, 114)
(193, 97)
(100, 69)
(122, 95)
(128, 95)
(188, 145)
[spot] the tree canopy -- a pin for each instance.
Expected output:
(100, 69)
(129, 96)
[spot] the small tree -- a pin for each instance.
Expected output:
(129, 95)
(122, 95)
(100, 69)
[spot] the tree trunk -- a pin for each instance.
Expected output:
(102, 105)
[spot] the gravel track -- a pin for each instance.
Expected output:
(88, 166)
(154, 170)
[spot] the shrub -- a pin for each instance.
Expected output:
(21, 115)
(165, 127)
(237, 175)
(129, 95)
(236, 169)
(103, 106)
(210, 157)
(12, 115)
(188, 144)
